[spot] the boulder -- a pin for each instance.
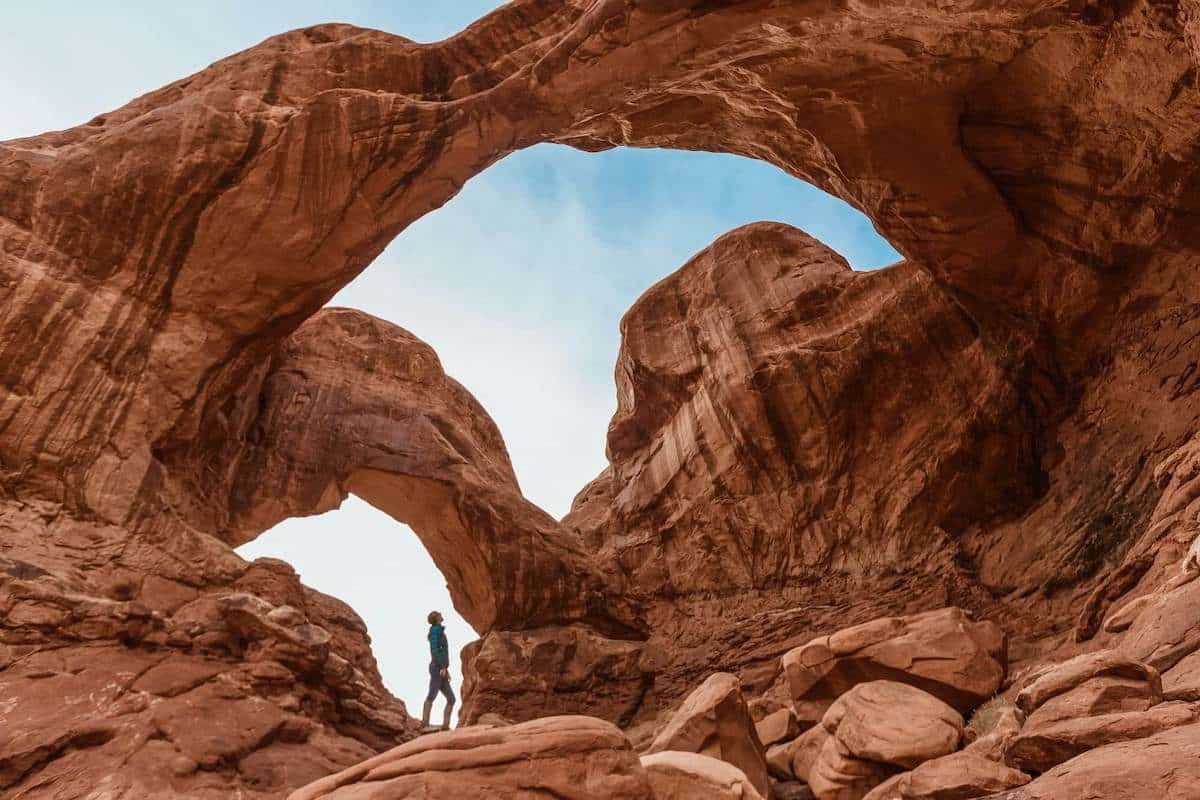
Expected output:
(945, 653)
(1038, 747)
(795, 759)
(894, 724)
(522, 675)
(778, 726)
(1103, 695)
(779, 761)
(958, 776)
(1167, 630)
(714, 721)
(1182, 681)
(1164, 766)
(574, 757)
(876, 730)
(676, 775)
(1061, 678)
(838, 775)
(1087, 701)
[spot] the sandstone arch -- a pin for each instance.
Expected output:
(354, 404)
(306, 154)
(160, 265)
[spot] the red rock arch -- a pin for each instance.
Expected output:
(162, 268)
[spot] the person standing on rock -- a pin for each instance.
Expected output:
(439, 672)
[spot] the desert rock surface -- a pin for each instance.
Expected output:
(1003, 423)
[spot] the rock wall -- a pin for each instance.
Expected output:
(1004, 421)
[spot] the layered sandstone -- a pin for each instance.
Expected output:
(574, 758)
(1004, 421)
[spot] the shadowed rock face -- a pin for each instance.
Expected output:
(1004, 421)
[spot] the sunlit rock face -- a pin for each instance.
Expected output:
(792, 434)
(1003, 422)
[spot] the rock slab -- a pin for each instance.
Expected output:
(577, 758)
(714, 721)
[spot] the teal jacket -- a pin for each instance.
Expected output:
(439, 648)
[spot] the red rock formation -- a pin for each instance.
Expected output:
(714, 721)
(959, 775)
(875, 729)
(679, 775)
(1005, 421)
(1165, 766)
(569, 757)
(956, 659)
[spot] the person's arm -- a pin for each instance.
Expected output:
(441, 655)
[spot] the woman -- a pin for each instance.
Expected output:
(439, 671)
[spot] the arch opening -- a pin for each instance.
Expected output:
(518, 284)
(523, 277)
(383, 574)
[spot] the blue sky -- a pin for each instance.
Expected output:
(518, 282)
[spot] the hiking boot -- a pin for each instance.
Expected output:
(425, 726)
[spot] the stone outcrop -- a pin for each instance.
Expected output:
(577, 758)
(1088, 701)
(676, 775)
(795, 759)
(715, 722)
(958, 776)
(1166, 630)
(1042, 745)
(1182, 681)
(1003, 422)
(876, 730)
(1102, 675)
(778, 726)
(246, 679)
(354, 404)
(555, 670)
(944, 652)
(1165, 766)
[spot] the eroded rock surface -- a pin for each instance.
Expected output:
(1104, 675)
(1165, 766)
(577, 758)
(778, 726)
(944, 652)
(876, 730)
(196, 690)
(1042, 745)
(1088, 701)
(715, 722)
(555, 670)
(676, 775)
(795, 759)
(1005, 421)
(958, 776)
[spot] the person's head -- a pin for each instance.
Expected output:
(434, 618)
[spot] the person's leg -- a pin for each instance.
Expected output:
(435, 684)
(448, 692)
